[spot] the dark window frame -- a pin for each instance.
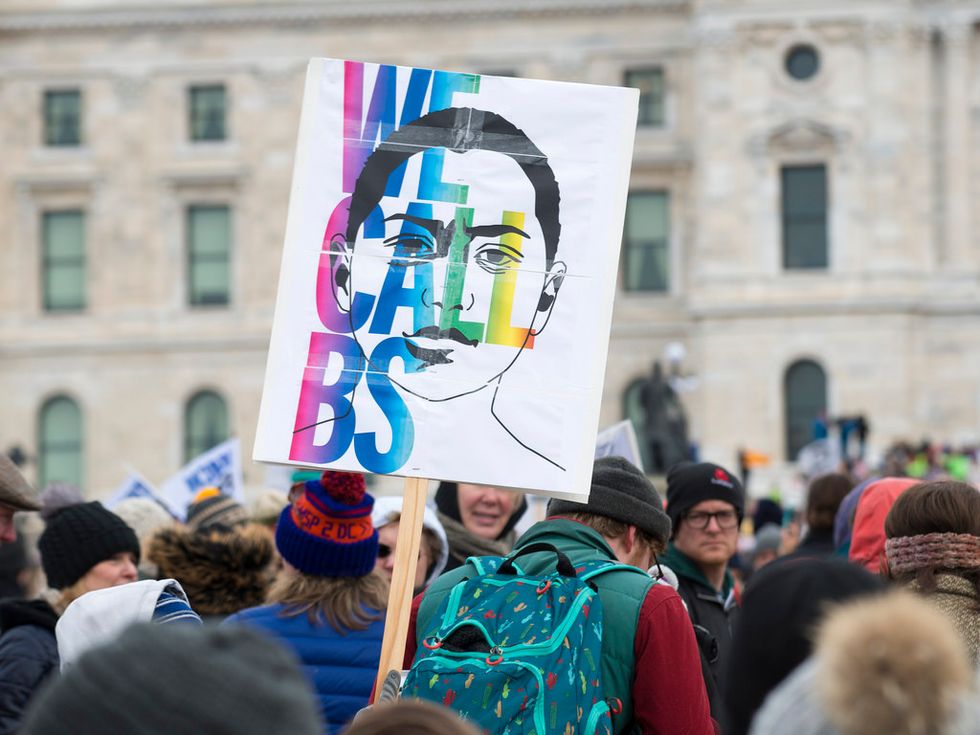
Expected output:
(207, 124)
(195, 257)
(192, 447)
(652, 112)
(811, 214)
(45, 447)
(652, 246)
(61, 130)
(50, 263)
(797, 435)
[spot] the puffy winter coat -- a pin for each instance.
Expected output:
(28, 654)
(341, 667)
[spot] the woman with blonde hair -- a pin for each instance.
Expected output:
(84, 547)
(327, 603)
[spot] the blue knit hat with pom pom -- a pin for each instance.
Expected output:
(327, 531)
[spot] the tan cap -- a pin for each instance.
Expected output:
(14, 491)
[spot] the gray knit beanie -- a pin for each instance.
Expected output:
(622, 492)
(162, 679)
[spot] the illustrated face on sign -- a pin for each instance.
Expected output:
(461, 276)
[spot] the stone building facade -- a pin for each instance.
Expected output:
(808, 171)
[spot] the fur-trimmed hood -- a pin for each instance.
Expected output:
(891, 665)
(222, 572)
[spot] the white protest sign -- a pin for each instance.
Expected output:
(819, 457)
(136, 486)
(619, 440)
(448, 276)
(220, 467)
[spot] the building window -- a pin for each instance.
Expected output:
(63, 260)
(205, 423)
(209, 254)
(63, 117)
(647, 231)
(650, 82)
(804, 203)
(805, 399)
(802, 62)
(60, 442)
(208, 113)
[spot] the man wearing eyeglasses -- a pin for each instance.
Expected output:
(705, 504)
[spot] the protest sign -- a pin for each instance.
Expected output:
(448, 276)
(619, 440)
(220, 467)
(136, 486)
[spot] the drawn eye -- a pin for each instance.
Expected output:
(495, 259)
(410, 250)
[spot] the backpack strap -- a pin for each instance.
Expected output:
(591, 569)
(485, 564)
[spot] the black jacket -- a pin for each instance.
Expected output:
(28, 654)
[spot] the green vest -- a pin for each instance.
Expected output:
(622, 594)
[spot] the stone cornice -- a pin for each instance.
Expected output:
(328, 11)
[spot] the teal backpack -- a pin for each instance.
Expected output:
(518, 653)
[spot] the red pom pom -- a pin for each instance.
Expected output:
(345, 487)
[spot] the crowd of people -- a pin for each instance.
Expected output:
(696, 611)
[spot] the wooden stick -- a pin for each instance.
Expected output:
(402, 579)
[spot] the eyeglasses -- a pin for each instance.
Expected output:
(384, 551)
(726, 519)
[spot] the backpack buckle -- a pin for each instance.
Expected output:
(436, 643)
(543, 587)
(495, 657)
(615, 705)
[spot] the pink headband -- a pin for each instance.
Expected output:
(938, 550)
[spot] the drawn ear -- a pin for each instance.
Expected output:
(549, 293)
(340, 270)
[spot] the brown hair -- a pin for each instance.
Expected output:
(611, 528)
(824, 498)
(344, 603)
(409, 717)
(942, 506)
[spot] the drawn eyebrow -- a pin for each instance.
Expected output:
(495, 231)
(432, 225)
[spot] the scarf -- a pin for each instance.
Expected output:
(462, 542)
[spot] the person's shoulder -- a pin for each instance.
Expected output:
(253, 614)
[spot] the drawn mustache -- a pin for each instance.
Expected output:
(433, 332)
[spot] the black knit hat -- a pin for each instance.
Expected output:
(80, 536)
(689, 484)
(622, 492)
(151, 679)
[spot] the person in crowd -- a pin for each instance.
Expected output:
(223, 563)
(768, 542)
(823, 499)
(781, 607)
(767, 512)
(15, 495)
(886, 665)
(327, 603)
(267, 508)
(145, 516)
(933, 547)
(99, 616)
(14, 568)
(84, 547)
(164, 679)
(705, 503)
(409, 717)
(479, 520)
(433, 551)
(868, 530)
(649, 658)
(844, 520)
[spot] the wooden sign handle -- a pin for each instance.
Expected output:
(402, 579)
